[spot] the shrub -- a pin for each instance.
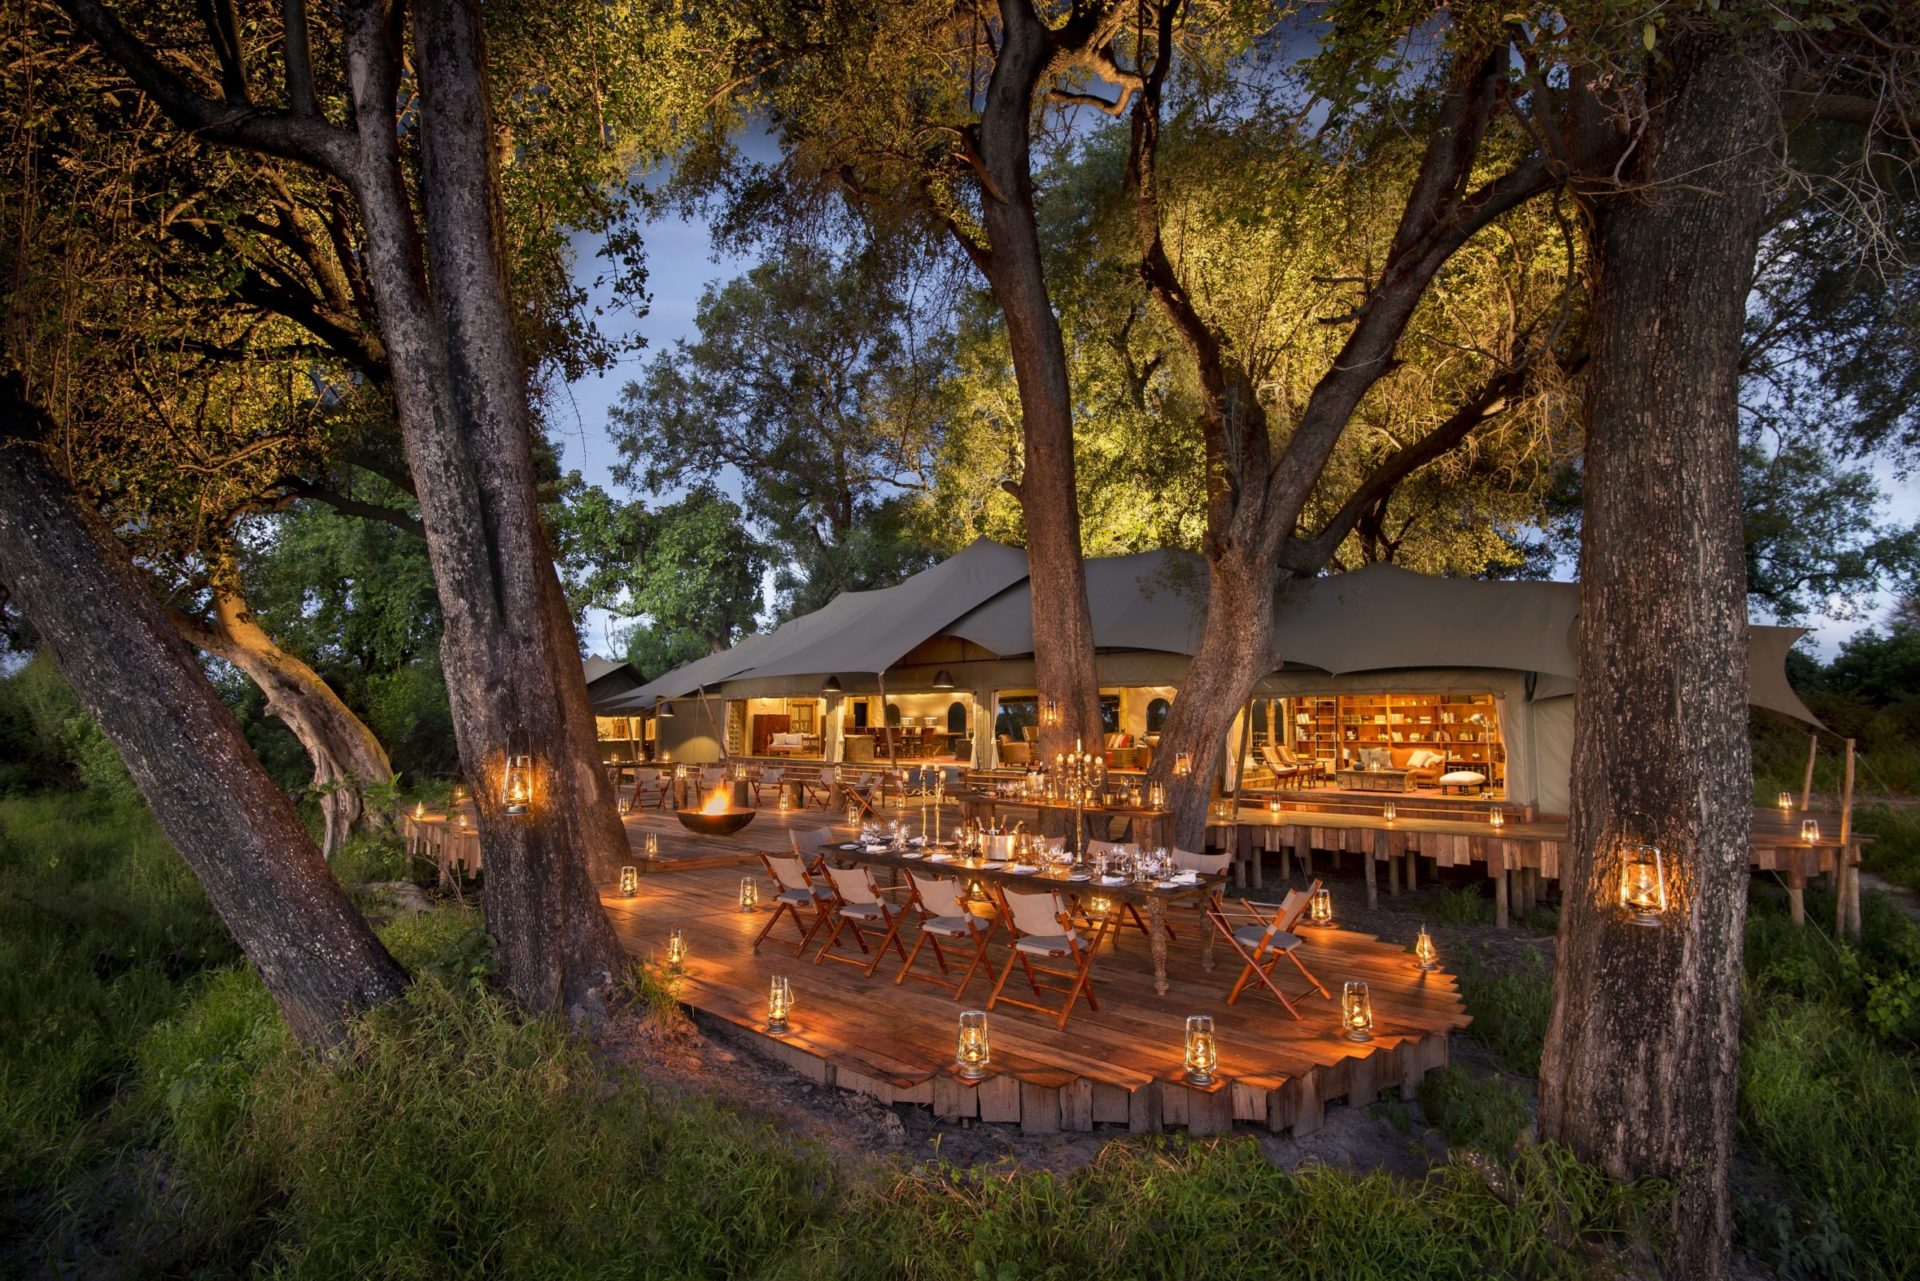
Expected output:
(1510, 1008)
(1895, 850)
(1465, 905)
(1486, 1114)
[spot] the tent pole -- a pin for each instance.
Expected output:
(1806, 786)
(712, 724)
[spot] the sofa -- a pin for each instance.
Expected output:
(1426, 773)
(1122, 752)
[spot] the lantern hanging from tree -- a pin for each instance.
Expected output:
(1643, 884)
(516, 781)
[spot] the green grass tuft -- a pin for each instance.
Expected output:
(1510, 1008)
(1487, 1114)
(1464, 905)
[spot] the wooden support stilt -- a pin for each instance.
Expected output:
(1849, 878)
(1497, 869)
(1413, 871)
(1374, 853)
(1393, 869)
(1256, 854)
(1797, 893)
(1303, 850)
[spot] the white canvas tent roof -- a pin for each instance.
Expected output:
(1374, 619)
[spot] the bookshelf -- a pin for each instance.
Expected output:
(1464, 727)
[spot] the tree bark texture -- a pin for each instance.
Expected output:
(346, 756)
(237, 831)
(458, 378)
(509, 651)
(1641, 1062)
(1062, 623)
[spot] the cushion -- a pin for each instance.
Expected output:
(1117, 742)
(1421, 757)
(1462, 778)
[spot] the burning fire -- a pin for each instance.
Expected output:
(718, 801)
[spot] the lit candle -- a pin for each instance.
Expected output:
(629, 881)
(779, 1004)
(1356, 1011)
(971, 1056)
(1425, 955)
(1202, 1055)
(1643, 884)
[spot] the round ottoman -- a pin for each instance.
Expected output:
(1462, 779)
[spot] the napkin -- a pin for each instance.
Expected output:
(939, 858)
(1022, 867)
(1114, 880)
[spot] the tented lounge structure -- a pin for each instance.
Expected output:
(1381, 680)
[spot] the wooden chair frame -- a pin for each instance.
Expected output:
(1265, 955)
(981, 932)
(1080, 951)
(821, 905)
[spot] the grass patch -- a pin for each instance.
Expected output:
(1489, 1115)
(1895, 851)
(1510, 1008)
(1463, 905)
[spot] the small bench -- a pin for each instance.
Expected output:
(1462, 779)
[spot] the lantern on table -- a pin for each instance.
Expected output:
(1320, 911)
(779, 1004)
(676, 949)
(971, 1055)
(1425, 955)
(749, 894)
(1643, 884)
(1356, 1011)
(516, 782)
(1202, 1055)
(1810, 831)
(629, 881)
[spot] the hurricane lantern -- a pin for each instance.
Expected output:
(420, 810)
(1496, 817)
(676, 949)
(629, 881)
(1388, 812)
(749, 894)
(1356, 1011)
(779, 1004)
(1810, 831)
(786, 801)
(1785, 802)
(1320, 911)
(1425, 955)
(1203, 1055)
(1643, 884)
(653, 845)
(1050, 713)
(970, 1055)
(1182, 764)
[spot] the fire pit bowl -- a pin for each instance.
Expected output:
(715, 822)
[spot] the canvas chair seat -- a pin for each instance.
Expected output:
(1251, 936)
(1047, 944)
(864, 911)
(953, 927)
(802, 896)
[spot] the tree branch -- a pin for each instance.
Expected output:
(294, 490)
(309, 140)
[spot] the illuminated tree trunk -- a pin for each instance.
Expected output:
(1049, 501)
(346, 756)
(1642, 1052)
(237, 830)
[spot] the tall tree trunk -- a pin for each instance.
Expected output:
(1049, 500)
(1642, 1051)
(511, 657)
(346, 756)
(237, 831)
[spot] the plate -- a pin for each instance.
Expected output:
(1079, 876)
(1116, 880)
(850, 845)
(911, 854)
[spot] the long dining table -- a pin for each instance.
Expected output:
(1153, 898)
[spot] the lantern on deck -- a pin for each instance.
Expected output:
(970, 1055)
(1785, 802)
(624, 802)
(749, 894)
(1643, 885)
(676, 949)
(1810, 831)
(1356, 1011)
(1320, 911)
(516, 781)
(786, 801)
(629, 881)
(1273, 806)
(779, 1004)
(1425, 955)
(1203, 1054)
(420, 810)
(652, 846)
(1496, 818)
(1388, 812)
(459, 794)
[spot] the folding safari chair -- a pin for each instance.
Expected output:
(820, 839)
(944, 915)
(773, 776)
(1261, 944)
(860, 789)
(858, 901)
(820, 788)
(1041, 928)
(797, 891)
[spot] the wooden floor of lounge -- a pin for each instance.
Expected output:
(1118, 1066)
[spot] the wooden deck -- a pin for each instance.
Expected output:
(1120, 1065)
